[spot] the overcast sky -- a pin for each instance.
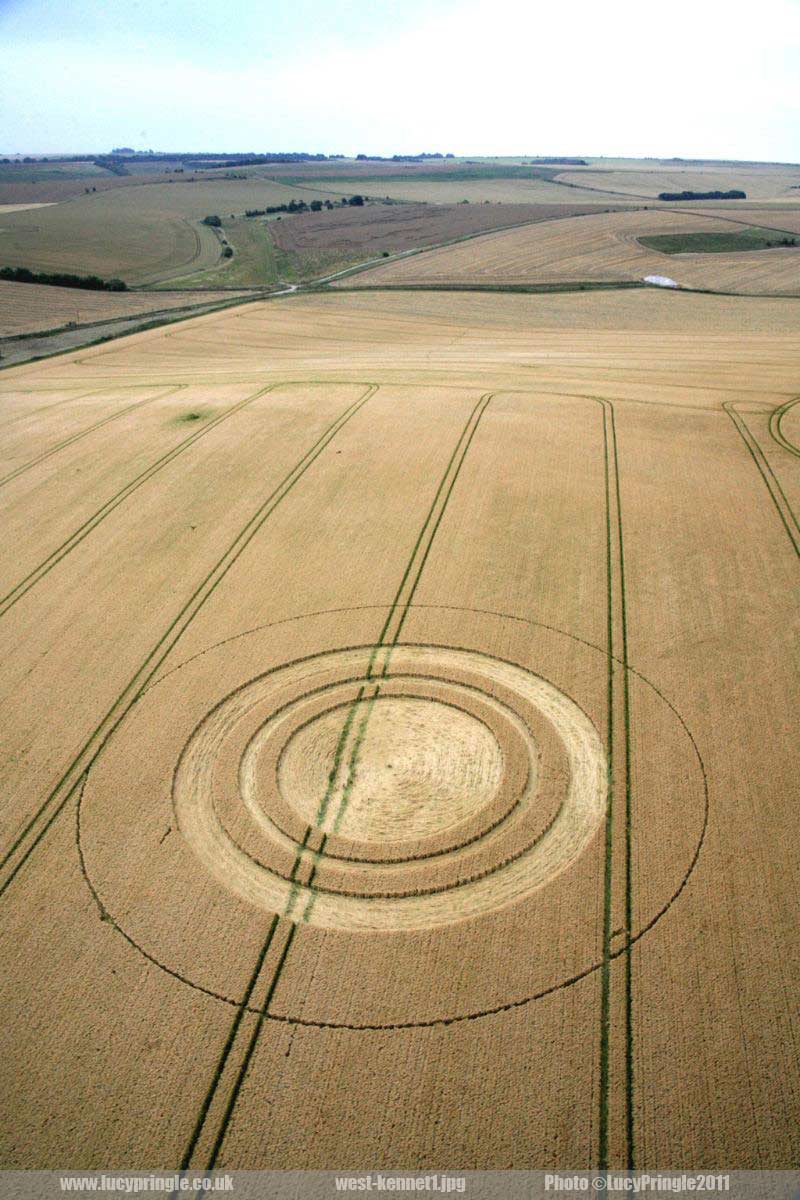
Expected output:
(695, 78)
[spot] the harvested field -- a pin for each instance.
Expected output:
(604, 247)
(395, 709)
(321, 242)
(32, 307)
(761, 182)
(488, 187)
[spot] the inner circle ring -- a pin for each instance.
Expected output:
(581, 813)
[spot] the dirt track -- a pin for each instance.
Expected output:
(564, 531)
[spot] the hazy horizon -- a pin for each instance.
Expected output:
(469, 77)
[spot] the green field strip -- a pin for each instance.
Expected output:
(34, 829)
(77, 536)
(770, 479)
(77, 437)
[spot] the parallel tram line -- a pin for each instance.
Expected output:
(40, 821)
(82, 433)
(387, 640)
(768, 476)
(76, 537)
(617, 693)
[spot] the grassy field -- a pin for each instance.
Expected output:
(520, 180)
(485, 187)
(707, 242)
(256, 262)
(144, 234)
(395, 710)
(146, 226)
(40, 172)
(605, 247)
(306, 246)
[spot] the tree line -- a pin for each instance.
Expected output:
(732, 195)
(91, 283)
(300, 206)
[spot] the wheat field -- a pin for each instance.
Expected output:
(395, 697)
(605, 248)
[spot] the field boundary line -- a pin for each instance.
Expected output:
(146, 326)
(60, 794)
(77, 437)
(774, 488)
(21, 588)
(402, 600)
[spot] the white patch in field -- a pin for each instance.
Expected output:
(661, 281)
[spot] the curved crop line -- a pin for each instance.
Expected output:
(62, 791)
(76, 437)
(451, 848)
(776, 492)
(261, 1012)
(462, 446)
(775, 422)
(436, 1021)
(76, 537)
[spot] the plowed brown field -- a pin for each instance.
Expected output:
(397, 763)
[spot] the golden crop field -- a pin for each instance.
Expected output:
(760, 182)
(606, 247)
(396, 762)
(29, 307)
(443, 190)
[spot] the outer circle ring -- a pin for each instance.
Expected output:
(455, 1018)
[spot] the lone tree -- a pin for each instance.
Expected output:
(212, 220)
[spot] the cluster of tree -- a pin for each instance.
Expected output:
(203, 161)
(300, 206)
(115, 165)
(400, 157)
(213, 220)
(558, 162)
(92, 283)
(732, 195)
